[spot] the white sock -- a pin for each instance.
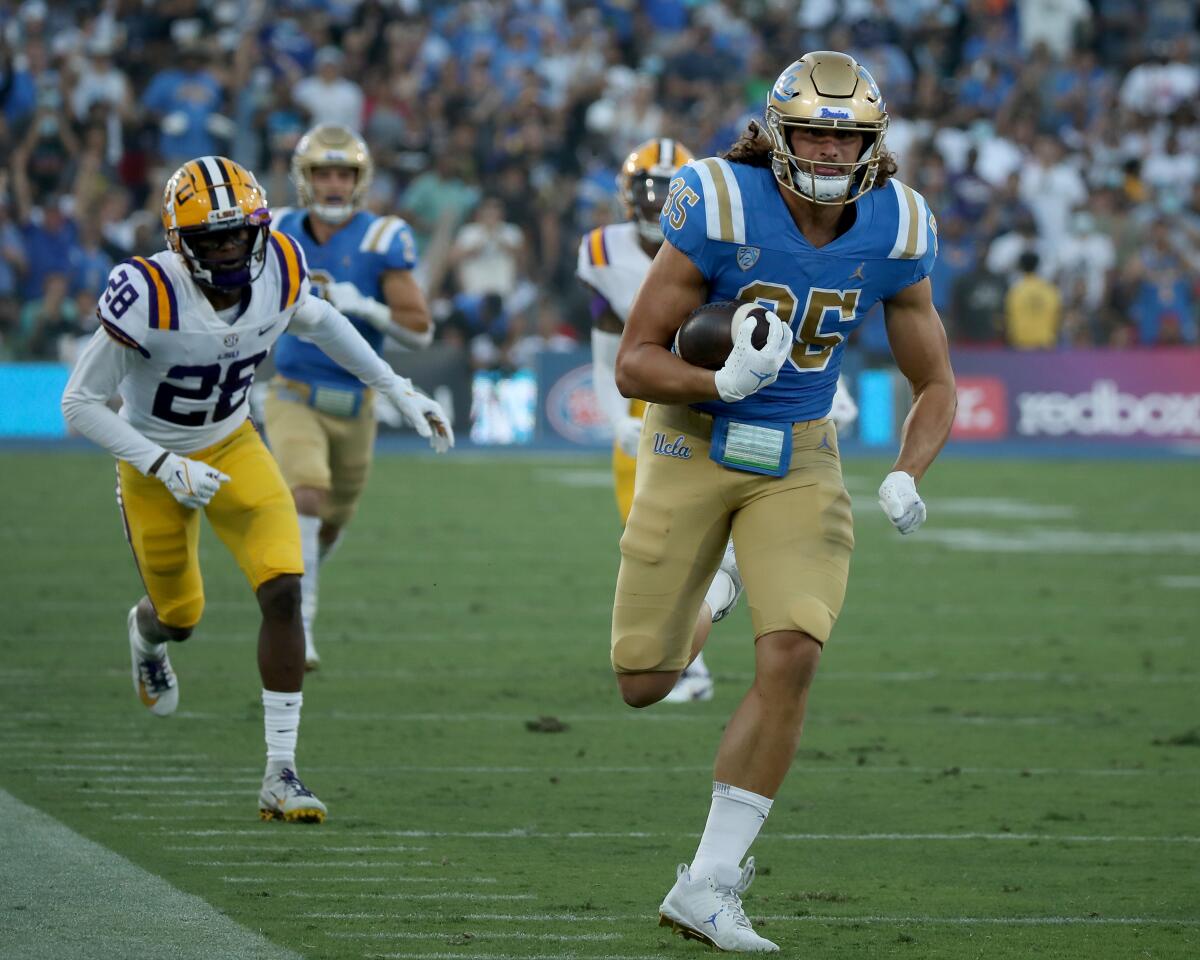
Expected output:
(281, 723)
(734, 819)
(145, 647)
(310, 529)
(721, 592)
(697, 668)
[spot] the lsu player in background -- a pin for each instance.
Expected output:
(806, 218)
(320, 418)
(181, 334)
(612, 263)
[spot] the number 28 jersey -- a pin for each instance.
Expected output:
(188, 372)
(731, 221)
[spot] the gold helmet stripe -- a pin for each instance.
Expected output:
(725, 217)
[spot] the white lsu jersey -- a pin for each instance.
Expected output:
(190, 389)
(612, 262)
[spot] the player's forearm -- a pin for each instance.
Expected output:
(410, 326)
(90, 416)
(319, 323)
(604, 377)
(651, 372)
(926, 427)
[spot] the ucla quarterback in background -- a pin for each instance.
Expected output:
(320, 418)
(180, 336)
(805, 218)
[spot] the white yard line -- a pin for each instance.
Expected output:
(68, 898)
(519, 833)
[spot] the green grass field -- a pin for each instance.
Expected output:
(1002, 757)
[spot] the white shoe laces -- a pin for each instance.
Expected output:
(731, 896)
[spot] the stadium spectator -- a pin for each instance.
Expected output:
(1031, 109)
(1032, 308)
(976, 315)
(1164, 298)
(327, 96)
(488, 253)
(185, 100)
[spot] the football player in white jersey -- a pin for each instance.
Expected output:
(320, 419)
(180, 336)
(613, 261)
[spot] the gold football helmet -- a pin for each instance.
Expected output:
(203, 203)
(644, 179)
(332, 145)
(824, 90)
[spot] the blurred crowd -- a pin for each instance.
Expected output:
(1058, 142)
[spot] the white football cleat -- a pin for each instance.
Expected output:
(285, 797)
(153, 679)
(709, 909)
(729, 568)
(695, 683)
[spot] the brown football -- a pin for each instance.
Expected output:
(706, 336)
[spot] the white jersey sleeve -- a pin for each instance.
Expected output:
(101, 366)
(320, 323)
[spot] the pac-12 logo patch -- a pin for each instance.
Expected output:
(747, 257)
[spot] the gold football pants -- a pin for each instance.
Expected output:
(253, 514)
(793, 536)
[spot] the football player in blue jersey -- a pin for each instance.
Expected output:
(805, 217)
(320, 419)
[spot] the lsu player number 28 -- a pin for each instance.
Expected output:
(320, 418)
(805, 218)
(180, 336)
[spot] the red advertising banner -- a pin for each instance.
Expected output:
(1105, 395)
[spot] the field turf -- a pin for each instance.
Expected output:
(1002, 756)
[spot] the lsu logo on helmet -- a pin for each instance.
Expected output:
(204, 202)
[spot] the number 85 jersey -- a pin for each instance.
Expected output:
(184, 373)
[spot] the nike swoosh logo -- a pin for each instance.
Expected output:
(265, 329)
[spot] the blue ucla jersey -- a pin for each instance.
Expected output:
(731, 221)
(360, 252)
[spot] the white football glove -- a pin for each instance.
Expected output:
(844, 411)
(900, 501)
(348, 299)
(423, 413)
(629, 433)
(748, 370)
(191, 482)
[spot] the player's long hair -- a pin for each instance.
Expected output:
(753, 148)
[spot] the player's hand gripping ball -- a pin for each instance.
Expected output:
(706, 337)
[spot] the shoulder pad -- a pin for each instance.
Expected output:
(725, 218)
(139, 297)
(916, 228)
(380, 234)
(593, 249)
(292, 267)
